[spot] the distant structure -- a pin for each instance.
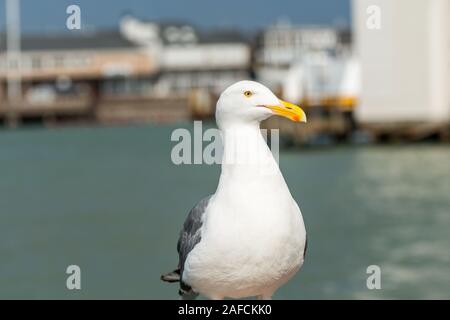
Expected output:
(315, 67)
(67, 75)
(189, 58)
(150, 71)
(312, 65)
(145, 71)
(404, 63)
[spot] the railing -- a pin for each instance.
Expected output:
(58, 105)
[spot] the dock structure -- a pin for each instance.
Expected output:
(386, 81)
(64, 76)
(145, 71)
(148, 71)
(312, 66)
(404, 54)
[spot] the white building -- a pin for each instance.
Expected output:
(404, 62)
(309, 64)
(189, 58)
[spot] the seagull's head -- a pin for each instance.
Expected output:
(249, 101)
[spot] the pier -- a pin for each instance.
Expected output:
(119, 76)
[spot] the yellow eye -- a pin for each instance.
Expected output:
(248, 94)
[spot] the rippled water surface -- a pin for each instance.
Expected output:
(111, 201)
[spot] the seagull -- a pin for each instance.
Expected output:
(248, 238)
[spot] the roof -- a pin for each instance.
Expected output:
(179, 32)
(345, 36)
(222, 36)
(110, 39)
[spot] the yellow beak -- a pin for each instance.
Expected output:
(289, 110)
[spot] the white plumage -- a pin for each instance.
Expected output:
(251, 237)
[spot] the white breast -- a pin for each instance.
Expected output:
(252, 241)
(253, 235)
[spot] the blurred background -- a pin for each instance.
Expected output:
(88, 105)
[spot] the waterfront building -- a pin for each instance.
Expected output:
(68, 74)
(191, 58)
(145, 71)
(312, 65)
(404, 62)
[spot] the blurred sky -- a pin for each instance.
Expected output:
(46, 15)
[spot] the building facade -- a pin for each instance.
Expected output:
(309, 64)
(67, 73)
(404, 61)
(128, 73)
(190, 58)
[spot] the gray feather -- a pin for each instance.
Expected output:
(173, 276)
(190, 236)
(306, 247)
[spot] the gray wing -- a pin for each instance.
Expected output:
(190, 235)
(306, 247)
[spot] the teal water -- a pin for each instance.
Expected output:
(111, 201)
